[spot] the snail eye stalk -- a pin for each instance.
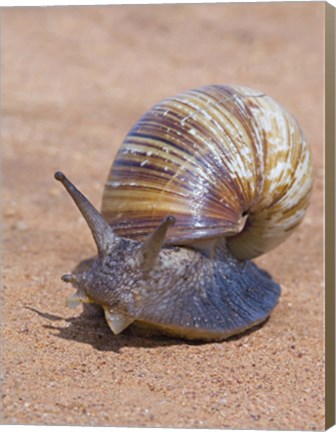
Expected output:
(102, 233)
(151, 247)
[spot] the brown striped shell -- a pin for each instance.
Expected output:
(226, 161)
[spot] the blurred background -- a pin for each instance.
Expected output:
(74, 80)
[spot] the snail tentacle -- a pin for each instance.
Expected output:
(102, 233)
(70, 278)
(151, 247)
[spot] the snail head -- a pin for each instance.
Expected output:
(122, 264)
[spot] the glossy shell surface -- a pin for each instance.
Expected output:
(226, 161)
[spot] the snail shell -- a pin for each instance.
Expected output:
(203, 182)
(211, 157)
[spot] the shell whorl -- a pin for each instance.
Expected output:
(211, 156)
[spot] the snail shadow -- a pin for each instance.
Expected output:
(92, 329)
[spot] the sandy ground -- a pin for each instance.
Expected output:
(74, 81)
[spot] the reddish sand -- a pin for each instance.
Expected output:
(74, 82)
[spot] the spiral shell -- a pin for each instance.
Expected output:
(226, 161)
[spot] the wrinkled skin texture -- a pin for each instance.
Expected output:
(186, 294)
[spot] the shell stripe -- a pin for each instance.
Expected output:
(207, 156)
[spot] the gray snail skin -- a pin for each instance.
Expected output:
(204, 182)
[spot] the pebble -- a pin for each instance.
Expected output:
(10, 212)
(21, 225)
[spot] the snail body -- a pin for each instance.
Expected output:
(203, 182)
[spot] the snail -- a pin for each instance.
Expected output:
(204, 182)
